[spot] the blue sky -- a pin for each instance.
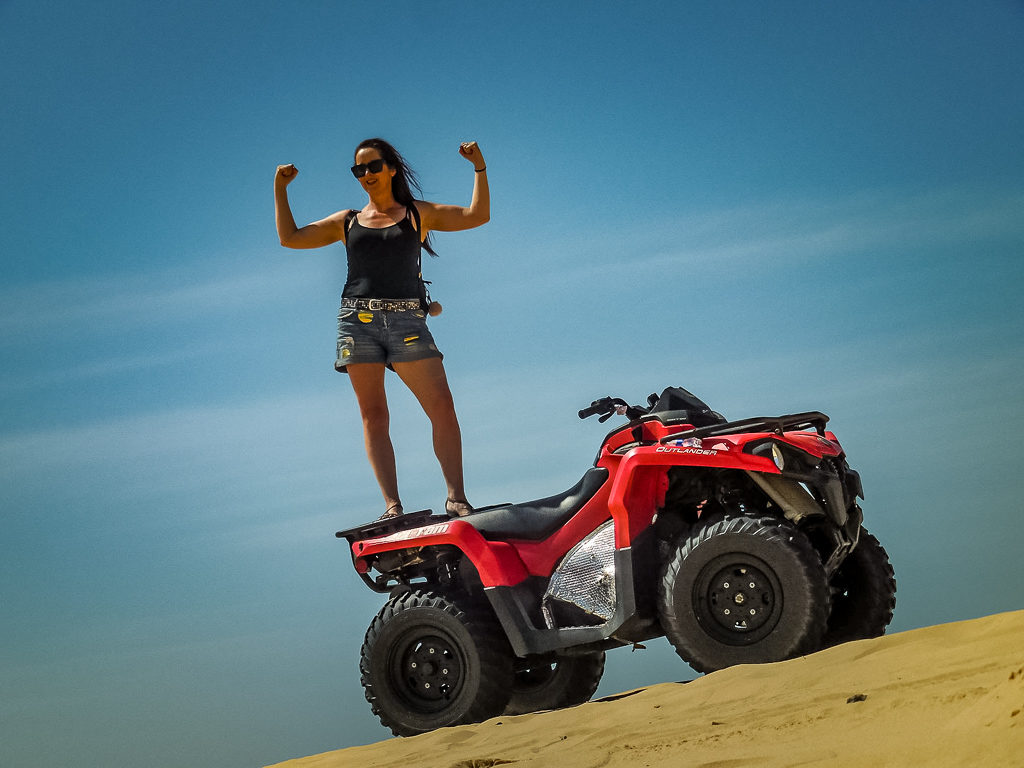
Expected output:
(782, 207)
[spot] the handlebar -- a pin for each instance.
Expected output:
(608, 406)
(596, 407)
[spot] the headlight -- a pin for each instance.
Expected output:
(777, 457)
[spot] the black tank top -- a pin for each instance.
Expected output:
(383, 263)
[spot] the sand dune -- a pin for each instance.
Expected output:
(948, 695)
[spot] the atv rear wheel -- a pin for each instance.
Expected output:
(743, 590)
(555, 683)
(429, 661)
(863, 594)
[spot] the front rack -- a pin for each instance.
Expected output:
(777, 424)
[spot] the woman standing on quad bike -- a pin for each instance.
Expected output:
(382, 321)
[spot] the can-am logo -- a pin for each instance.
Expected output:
(412, 533)
(694, 451)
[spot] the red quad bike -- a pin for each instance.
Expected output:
(739, 541)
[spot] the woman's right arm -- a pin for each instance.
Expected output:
(315, 235)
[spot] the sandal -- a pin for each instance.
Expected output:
(395, 510)
(457, 507)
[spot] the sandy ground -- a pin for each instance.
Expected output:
(948, 695)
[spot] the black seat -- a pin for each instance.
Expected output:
(538, 519)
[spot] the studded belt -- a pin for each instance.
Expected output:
(386, 305)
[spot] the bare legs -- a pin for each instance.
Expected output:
(427, 381)
(368, 383)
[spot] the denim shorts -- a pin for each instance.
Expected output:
(378, 336)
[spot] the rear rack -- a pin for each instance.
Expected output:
(777, 424)
(386, 527)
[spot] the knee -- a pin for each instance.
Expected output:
(375, 417)
(441, 406)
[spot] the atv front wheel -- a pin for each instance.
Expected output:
(556, 682)
(743, 590)
(863, 594)
(429, 662)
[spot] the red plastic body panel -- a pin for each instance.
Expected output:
(814, 443)
(496, 561)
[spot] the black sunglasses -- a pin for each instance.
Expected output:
(374, 166)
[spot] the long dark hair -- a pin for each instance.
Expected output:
(403, 182)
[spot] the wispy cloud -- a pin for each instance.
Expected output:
(776, 233)
(70, 331)
(151, 298)
(231, 453)
(111, 366)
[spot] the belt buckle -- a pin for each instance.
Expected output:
(375, 304)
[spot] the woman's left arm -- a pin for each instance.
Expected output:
(453, 218)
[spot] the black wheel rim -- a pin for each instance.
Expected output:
(738, 599)
(427, 671)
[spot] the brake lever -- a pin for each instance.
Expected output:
(617, 410)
